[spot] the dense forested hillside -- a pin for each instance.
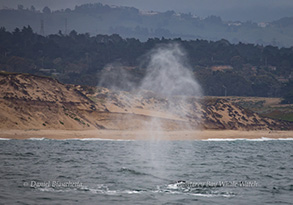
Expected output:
(131, 22)
(221, 68)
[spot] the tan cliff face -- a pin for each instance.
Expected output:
(221, 114)
(34, 102)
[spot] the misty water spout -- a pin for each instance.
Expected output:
(169, 74)
(170, 77)
(165, 99)
(167, 96)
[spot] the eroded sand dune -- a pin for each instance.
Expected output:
(31, 102)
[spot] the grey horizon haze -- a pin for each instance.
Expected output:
(230, 10)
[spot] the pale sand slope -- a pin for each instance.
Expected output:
(144, 135)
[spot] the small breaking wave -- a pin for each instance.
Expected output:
(169, 189)
(244, 139)
(32, 138)
(177, 188)
(38, 138)
(70, 139)
(96, 139)
(100, 189)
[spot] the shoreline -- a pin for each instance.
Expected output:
(144, 134)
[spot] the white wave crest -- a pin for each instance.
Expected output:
(37, 138)
(96, 139)
(256, 139)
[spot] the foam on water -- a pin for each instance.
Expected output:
(71, 139)
(204, 192)
(37, 138)
(97, 139)
(244, 139)
(100, 189)
(130, 140)
(172, 189)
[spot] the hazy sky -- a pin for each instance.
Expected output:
(244, 10)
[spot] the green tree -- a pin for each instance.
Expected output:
(46, 10)
(288, 93)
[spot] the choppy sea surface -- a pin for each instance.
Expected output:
(146, 172)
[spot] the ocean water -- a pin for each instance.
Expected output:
(146, 172)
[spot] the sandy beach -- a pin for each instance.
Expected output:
(144, 135)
